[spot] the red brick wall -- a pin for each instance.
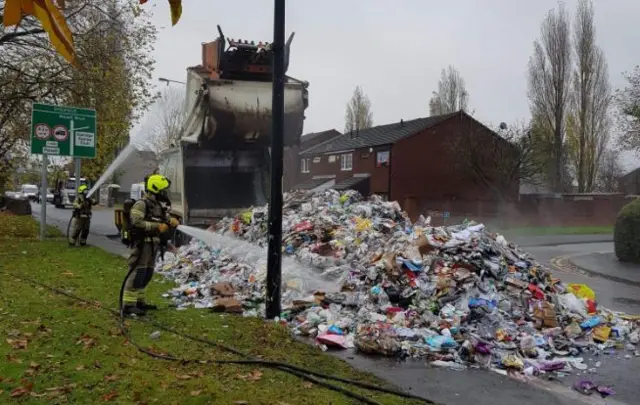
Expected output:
(531, 210)
(423, 166)
(363, 162)
(291, 158)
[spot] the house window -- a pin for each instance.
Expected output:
(332, 158)
(346, 162)
(304, 166)
(382, 159)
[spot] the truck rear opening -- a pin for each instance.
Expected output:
(221, 165)
(219, 183)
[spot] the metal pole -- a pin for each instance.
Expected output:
(43, 198)
(274, 260)
(77, 169)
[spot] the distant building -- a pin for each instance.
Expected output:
(292, 155)
(630, 182)
(411, 162)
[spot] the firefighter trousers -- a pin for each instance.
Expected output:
(142, 261)
(79, 230)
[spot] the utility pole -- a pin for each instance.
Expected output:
(274, 259)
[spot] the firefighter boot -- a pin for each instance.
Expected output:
(141, 304)
(129, 309)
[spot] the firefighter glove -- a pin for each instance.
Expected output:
(173, 222)
(162, 227)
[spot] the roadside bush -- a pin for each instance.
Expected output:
(626, 235)
(21, 226)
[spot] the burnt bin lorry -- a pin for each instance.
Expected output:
(221, 165)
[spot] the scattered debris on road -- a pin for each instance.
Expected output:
(459, 296)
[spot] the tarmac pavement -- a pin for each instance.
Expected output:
(478, 387)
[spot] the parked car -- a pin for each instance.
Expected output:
(49, 196)
(30, 191)
(14, 194)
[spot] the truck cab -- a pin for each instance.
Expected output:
(65, 192)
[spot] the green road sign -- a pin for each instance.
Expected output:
(63, 131)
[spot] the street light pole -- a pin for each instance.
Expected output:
(274, 259)
(169, 81)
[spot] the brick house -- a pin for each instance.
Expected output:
(291, 158)
(412, 162)
(630, 182)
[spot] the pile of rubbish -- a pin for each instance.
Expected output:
(360, 274)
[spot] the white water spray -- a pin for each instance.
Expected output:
(117, 162)
(306, 278)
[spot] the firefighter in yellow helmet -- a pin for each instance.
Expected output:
(81, 220)
(149, 222)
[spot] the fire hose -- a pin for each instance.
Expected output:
(309, 375)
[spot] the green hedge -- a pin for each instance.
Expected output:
(626, 235)
(23, 226)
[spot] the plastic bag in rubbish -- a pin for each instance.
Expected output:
(441, 342)
(581, 291)
(573, 304)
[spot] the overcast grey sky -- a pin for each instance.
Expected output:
(396, 49)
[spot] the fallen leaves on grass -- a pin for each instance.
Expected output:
(13, 359)
(183, 377)
(33, 368)
(196, 393)
(20, 391)
(110, 396)
(254, 375)
(111, 378)
(25, 388)
(80, 367)
(18, 344)
(87, 341)
(241, 402)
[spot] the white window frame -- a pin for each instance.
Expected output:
(304, 166)
(346, 162)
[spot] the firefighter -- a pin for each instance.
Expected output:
(81, 220)
(149, 221)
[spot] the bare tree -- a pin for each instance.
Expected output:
(628, 101)
(610, 171)
(451, 95)
(166, 121)
(549, 84)
(112, 41)
(358, 115)
(499, 160)
(588, 125)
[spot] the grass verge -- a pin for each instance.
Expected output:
(559, 230)
(55, 350)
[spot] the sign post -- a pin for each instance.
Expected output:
(43, 199)
(61, 131)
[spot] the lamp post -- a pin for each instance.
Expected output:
(274, 259)
(169, 81)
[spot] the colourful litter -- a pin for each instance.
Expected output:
(581, 291)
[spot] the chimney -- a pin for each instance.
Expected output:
(401, 122)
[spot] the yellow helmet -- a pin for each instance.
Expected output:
(157, 183)
(83, 189)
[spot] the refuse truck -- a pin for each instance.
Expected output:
(64, 192)
(221, 164)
